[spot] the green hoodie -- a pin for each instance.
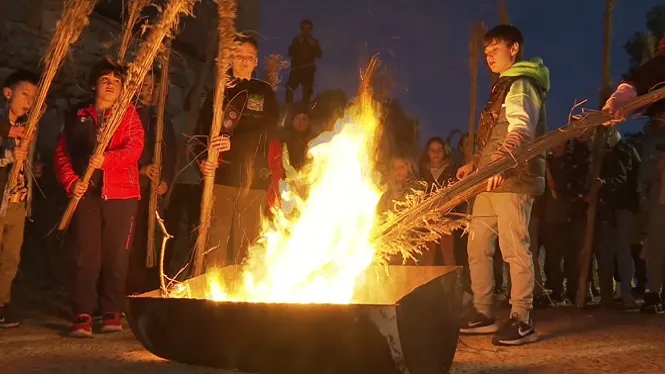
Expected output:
(534, 69)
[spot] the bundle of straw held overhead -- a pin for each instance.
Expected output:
(226, 10)
(423, 220)
(75, 15)
(273, 66)
(157, 154)
(136, 72)
(134, 9)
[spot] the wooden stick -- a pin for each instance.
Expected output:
(74, 18)
(157, 154)
(474, 54)
(596, 164)
(194, 106)
(165, 238)
(134, 12)
(226, 10)
(165, 26)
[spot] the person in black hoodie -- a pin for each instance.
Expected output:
(613, 182)
(304, 51)
(244, 175)
(139, 278)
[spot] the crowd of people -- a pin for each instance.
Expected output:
(536, 210)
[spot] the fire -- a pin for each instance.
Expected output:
(318, 244)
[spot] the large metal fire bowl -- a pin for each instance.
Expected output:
(408, 322)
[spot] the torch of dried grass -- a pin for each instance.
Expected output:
(422, 220)
(134, 13)
(136, 72)
(226, 11)
(157, 153)
(75, 15)
(273, 66)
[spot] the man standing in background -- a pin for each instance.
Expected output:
(304, 51)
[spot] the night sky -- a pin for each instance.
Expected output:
(426, 42)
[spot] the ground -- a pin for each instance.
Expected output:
(573, 342)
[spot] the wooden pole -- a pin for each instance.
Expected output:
(474, 56)
(596, 163)
(157, 155)
(74, 18)
(137, 71)
(226, 10)
(195, 104)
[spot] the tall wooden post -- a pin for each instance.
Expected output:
(596, 163)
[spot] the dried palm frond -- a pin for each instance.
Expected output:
(226, 10)
(157, 153)
(136, 72)
(274, 65)
(134, 13)
(75, 15)
(408, 231)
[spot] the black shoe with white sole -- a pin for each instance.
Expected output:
(476, 323)
(7, 318)
(515, 332)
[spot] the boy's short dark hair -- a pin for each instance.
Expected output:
(306, 22)
(242, 39)
(21, 76)
(105, 67)
(506, 33)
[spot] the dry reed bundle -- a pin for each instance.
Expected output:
(416, 224)
(165, 26)
(226, 10)
(273, 66)
(157, 154)
(134, 13)
(75, 15)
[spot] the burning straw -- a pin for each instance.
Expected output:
(226, 10)
(75, 15)
(157, 155)
(135, 7)
(135, 76)
(423, 220)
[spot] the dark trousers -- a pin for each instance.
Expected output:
(560, 246)
(460, 241)
(640, 265)
(101, 238)
(184, 208)
(303, 75)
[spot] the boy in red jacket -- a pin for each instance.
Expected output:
(102, 224)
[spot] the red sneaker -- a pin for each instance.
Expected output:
(111, 322)
(82, 326)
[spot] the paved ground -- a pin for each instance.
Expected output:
(573, 342)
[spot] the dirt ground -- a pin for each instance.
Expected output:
(573, 341)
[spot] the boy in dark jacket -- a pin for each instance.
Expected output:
(19, 91)
(244, 174)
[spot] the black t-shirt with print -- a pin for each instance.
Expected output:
(250, 117)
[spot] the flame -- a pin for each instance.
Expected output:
(318, 244)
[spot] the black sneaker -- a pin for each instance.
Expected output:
(515, 332)
(476, 323)
(7, 318)
(652, 303)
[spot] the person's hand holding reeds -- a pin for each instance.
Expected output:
(17, 132)
(465, 170)
(20, 154)
(151, 171)
(221, 143)
(162, 188)
(79, 188)
(97, 161)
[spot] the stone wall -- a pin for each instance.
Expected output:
(26, 27)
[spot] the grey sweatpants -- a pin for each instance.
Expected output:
(505, 215)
